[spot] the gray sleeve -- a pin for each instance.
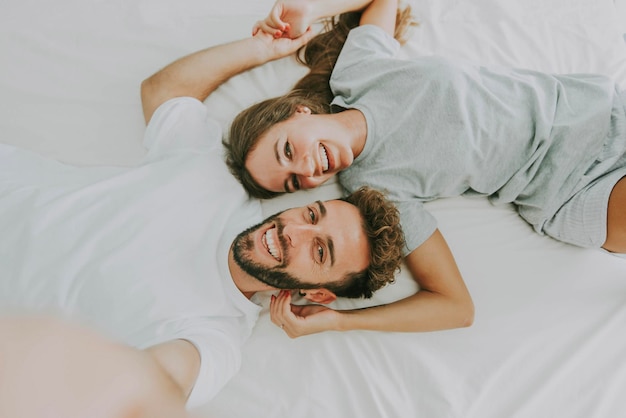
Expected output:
(417, 224)
(364, 44)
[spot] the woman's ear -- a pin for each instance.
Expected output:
(303, 109)
(323, 296)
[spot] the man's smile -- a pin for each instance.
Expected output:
(271, 243)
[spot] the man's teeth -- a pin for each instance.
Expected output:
(324, 158)
(269, 240)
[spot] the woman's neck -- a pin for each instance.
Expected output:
(356, 128)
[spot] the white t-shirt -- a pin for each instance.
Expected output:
(138, 253)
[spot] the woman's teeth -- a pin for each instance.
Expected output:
(324, 158)
(271, 246)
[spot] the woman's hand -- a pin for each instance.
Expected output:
(299, 320)
(287, 19)
(275, 48)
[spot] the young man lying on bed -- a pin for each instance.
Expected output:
(168, 282)
(442, 302)
(153, 256)
(148, 255)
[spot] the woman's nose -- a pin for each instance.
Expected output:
(307, 166)
(311, 182)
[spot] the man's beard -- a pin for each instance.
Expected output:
(272, 276)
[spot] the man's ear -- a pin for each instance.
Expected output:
(323, 296)
(303, 109)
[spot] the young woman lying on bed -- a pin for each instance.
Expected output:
(553, 145)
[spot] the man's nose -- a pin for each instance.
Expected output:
(296, 234)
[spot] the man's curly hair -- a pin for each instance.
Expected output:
(381, 223)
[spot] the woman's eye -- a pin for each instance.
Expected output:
(320, 253)
(295, 183)
(288, 150)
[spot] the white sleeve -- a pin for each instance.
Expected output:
(181, 123)
(220, 359)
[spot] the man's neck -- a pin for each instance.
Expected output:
(246, 284)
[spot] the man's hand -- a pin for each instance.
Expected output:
(299, 320)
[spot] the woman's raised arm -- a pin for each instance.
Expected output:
(442, 302)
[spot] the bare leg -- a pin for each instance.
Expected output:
(616, 219)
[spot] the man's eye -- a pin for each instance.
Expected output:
(320, 253)
(312, 215)
(295, 183)
(288, 150)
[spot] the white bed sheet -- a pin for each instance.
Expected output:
(548, 338)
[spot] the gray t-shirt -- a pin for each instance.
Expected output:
(440, 128)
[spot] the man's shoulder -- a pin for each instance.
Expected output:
(182, 122)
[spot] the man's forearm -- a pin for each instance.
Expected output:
(56, 368)
(180, 360)
(327, 8)
(199, 74)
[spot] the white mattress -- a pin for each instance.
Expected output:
(549, 335)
